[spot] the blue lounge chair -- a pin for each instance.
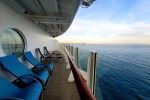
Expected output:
(9, 91)
(15, 67)
(29, 57)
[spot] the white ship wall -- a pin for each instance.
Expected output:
(55, 45)
(35, 37)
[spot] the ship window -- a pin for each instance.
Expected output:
(12, 42)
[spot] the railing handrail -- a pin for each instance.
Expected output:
(82, 87)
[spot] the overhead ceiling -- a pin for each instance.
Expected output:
(54, 16)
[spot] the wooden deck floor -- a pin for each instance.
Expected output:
(58, 87)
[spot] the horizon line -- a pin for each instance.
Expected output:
(106, 43)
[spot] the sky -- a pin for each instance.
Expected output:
(111, 22)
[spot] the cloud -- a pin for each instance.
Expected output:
(111, 22)
(86, 31)
(107, 28)
(101, 40)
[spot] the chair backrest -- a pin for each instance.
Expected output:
(38, 49)
(46, 50)
(14, 66)
(11, 88)
(29, 57)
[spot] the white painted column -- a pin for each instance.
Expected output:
(91, 71)
(75, 55)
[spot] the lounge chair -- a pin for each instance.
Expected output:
(9, 91)
(56, 56)
(47, 52)
(15, 67)
(29, 57)
(44, 57)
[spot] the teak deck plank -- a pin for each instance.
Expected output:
(58, 87)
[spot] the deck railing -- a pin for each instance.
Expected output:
(83, 89)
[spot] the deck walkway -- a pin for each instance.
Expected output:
(58, 87)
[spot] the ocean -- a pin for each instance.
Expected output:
(122, 71)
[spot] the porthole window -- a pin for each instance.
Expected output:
(12, 42)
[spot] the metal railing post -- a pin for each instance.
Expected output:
(91, 71)
(75, 55)
(71, 50)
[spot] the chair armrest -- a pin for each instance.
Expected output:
(45, 67)
(31, 77)
(36, 68)
(42, 67)
(38, 64)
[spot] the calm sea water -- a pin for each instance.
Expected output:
(123, 71)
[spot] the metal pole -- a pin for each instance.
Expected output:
(76, 55)
(91, 71)
(72, 50)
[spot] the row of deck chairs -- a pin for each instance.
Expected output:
(51, 56)
(29, 83)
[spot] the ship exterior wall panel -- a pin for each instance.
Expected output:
(35, 37)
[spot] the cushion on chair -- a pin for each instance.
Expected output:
(28, 55)
(9, 90)
(14, 66)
